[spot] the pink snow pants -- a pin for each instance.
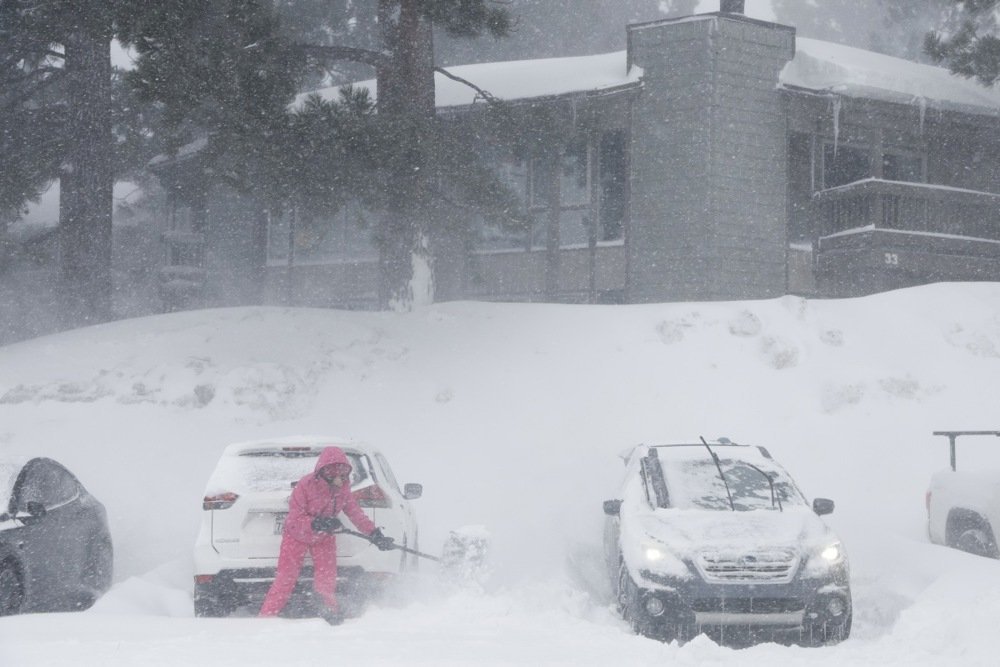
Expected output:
(290, 559)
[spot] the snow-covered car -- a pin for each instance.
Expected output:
(963, 507)
(716, 538)
(55, 546)
(245, 505)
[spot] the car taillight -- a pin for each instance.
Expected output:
(203, 578)
(219, 501)
(927, 500)
(372, 496)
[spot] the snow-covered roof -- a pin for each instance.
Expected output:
(825, 66)
(817, 65)
(520, 79)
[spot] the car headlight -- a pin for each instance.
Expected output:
(653, 553)
(832, 553)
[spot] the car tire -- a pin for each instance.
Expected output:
(11, 588)
(826, 634)
(977, 541)
(973, 535)
(209, 607)
(97, 572)
(629, 605)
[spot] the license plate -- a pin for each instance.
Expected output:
(279, 523)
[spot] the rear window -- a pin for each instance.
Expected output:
(276, 470)
(696, 484)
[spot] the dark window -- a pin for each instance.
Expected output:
(901, 167)
(614, 178)
(48, 484)
(845, 164)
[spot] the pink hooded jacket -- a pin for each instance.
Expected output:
(313, 496)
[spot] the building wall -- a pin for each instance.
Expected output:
(709, 160)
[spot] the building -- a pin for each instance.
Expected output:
(718, 157)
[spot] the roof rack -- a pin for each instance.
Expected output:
(953, 435)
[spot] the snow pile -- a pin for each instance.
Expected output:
(513, 417)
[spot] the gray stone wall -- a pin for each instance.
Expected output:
(709, 165)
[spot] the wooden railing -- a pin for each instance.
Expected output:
(908, 207)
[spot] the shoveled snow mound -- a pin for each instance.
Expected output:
(512, 416)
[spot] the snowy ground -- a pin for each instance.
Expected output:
(512, 417)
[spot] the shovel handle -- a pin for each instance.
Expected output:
(400, 547)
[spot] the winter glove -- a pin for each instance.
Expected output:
(326, 524)
(381, 541)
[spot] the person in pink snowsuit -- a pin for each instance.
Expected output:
(316, 501)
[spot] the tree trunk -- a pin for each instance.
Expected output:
(406, 105)
(86, 184)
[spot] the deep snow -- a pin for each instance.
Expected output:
(513, 416)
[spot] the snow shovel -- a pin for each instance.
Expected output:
(464, 551)
(400, 547)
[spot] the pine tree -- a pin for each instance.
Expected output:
(885, 26)
(57, 115)
(967, 41)
(229, 69)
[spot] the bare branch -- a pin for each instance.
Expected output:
(485, 94)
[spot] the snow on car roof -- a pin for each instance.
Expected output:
(9, 469)
(315, 441)
(696, 450)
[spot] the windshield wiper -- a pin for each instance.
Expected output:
(774, 496)
(718, 466)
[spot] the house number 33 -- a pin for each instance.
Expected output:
(892, 259)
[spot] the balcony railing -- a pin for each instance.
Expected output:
(909, 207)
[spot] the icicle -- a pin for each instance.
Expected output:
(836, 122)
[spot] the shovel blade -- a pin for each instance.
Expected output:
(465, 555)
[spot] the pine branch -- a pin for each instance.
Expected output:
(332, 53)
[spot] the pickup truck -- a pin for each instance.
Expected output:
(963, 507)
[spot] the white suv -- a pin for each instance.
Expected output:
(246, 502)
(963, 507)
(716, 538)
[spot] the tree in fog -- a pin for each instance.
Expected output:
(543, 28)
(967, 40)
(56, 110)
(229, 70)
(892, 27)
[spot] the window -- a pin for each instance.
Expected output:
(845, 164)
(387, 471)
(696, 484)
(46, 483)
(907, 167)
(278, 469)
(614, 181)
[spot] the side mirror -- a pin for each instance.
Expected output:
(413, 491)
(822, 506)
(612, 507)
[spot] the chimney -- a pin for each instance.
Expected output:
(732, 6)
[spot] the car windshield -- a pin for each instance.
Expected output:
(277, 469)
(695, 484)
